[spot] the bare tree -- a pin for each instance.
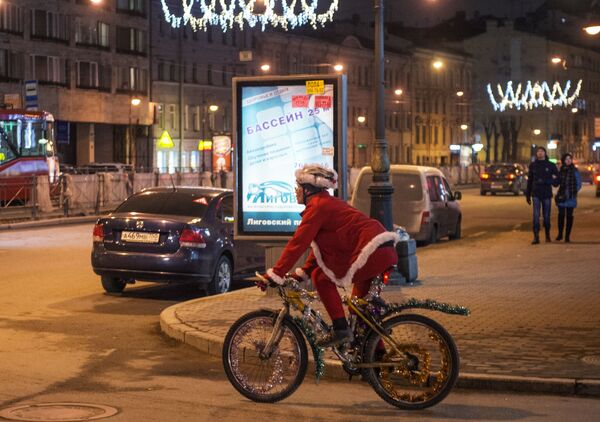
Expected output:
(487, 126)
(515, 127)
(505, 131)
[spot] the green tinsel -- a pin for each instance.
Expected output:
(429, 304)
(318, 352)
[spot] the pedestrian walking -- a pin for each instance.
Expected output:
(543, 174)
(566, 197)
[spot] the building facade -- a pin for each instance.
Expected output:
(89, 61)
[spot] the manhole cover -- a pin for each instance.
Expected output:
(58, 412)
(591, 360)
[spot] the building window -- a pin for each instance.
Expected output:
(161, 71)
(11, 18)
(131, 40)
(11, 66)
(49, 25)
(87, 75)
(209, 75)
(134, 7)
(132, 79)
(49, 69)
(417, 135)
(194, 72)
(186, 117)
(196, 118)
(171, 116)
(92, 34)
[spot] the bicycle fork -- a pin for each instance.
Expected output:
(276, 334)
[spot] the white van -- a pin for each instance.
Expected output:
(423, 202)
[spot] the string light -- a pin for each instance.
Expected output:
(229, 13)
(535, 95)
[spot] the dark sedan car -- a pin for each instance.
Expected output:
(176, 234)
(506, 177)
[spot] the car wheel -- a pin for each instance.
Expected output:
(112, 284)
(433, 236)
(482, 192)
(457, 231)
(221, 282)
(493, 193)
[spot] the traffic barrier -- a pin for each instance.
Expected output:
(142, 181)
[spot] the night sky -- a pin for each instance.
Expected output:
(430, 12)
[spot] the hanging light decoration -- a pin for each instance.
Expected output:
(533, 96)
(229, 13)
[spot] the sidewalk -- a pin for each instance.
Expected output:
(535, 322)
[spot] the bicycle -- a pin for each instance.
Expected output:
(408, 359)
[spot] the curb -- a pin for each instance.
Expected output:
(212, 345)
(49, 222)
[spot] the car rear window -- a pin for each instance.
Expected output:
(167, 203)
(407, 188)
(500, 169)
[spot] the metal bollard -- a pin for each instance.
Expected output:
(34, 195)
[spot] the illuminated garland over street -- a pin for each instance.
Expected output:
(227, 13)
(535, 95)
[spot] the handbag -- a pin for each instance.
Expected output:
(560, 197)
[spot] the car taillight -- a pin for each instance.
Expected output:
(425, 218)
(191, 239)
(98, 233)
(386, 277)
(484, 176)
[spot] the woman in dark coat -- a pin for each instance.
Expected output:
(566, 197)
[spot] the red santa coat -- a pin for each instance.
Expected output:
(342, 239)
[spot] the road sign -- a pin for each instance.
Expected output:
(31, 95)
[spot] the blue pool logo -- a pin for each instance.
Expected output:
(272, 192)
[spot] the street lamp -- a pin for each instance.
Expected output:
(464, 127)
(96, 1)
(398, 91)
(592, 29)
(437, 64)
(536, 132)
(265, 67)
(460, 93)
(338, 67)
(361, 119)
(574, 110)
(556, 59)
(136, 101)
(213, 107)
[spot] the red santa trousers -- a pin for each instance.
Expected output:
(379, 261)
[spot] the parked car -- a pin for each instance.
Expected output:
(587, 171)
(180, 234)
(505, 177)
(93, 168)
(423, 202)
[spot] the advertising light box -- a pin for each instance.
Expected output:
(281, 124)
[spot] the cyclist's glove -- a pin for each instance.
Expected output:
(264, 282)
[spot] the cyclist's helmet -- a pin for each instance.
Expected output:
(317, 176)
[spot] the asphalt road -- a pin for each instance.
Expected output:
(63, 339)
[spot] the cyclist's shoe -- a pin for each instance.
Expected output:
(336, 337)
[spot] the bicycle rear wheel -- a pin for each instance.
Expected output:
(259, 378)
(428, 363)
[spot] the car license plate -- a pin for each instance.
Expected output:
(497, 185)
(140, 237)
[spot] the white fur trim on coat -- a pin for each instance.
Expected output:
(300, 273)
(274, 277)
(360, 262)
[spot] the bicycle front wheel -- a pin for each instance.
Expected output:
(260, 378)
(423, 369)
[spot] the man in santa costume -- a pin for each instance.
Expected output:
(347, 247)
